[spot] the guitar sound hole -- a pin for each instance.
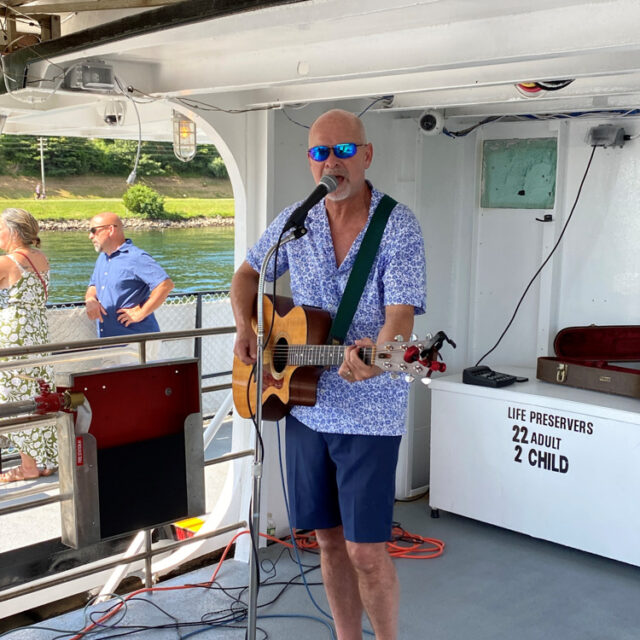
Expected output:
(280, 355)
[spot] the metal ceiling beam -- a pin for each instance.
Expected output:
(296, 55)
(617, 72)
(170, 16)
(549, 106)
(91, 5)
(301, 60)
(588, 92)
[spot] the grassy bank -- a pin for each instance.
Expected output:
(79, 209)
(94, 187)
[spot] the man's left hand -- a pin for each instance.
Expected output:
(129, 316)
(353, 369)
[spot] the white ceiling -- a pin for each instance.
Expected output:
(463, 56)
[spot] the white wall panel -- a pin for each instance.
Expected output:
(480, 260)
(600, 259)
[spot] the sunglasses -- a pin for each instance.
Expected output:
(93, 230)
(343, 150)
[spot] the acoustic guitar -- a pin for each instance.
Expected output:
(295, 355)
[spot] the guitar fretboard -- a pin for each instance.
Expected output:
(304, 355)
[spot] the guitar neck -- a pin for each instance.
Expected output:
(321, 355)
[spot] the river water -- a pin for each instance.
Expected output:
(195, 259)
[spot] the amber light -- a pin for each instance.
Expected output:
(184, 137)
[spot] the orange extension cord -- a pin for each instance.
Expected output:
(404, 545)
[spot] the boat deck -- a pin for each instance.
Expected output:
(489, 584)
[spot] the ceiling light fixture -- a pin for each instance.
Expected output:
(184, 137)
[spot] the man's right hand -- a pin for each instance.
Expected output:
(95, 311)
(245, 347)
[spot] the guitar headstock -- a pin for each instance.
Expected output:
(415, 359)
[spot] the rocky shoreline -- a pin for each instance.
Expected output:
(138, 223)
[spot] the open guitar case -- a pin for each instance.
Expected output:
(587, 357)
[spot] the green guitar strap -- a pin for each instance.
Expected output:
(360, 270)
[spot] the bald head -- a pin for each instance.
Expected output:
(107, 217)
(339, 119)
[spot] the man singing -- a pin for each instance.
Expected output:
(342, 452)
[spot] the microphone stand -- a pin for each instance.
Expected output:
(296, 233)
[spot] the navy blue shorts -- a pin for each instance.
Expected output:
(336, 479)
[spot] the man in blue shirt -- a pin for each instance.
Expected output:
(127, 284)
(342, 452)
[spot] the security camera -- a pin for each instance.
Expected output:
(114, 111)
(431, 122)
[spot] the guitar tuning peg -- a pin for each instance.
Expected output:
(398, 338)
(425, 381)
(394, 376)
(413, 337)
(428, 336)
(409, 378)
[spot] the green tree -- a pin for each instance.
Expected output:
(20, 155)
(69, 157)
(218, 168)
(66, 156)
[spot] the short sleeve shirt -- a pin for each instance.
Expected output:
(398, 277)
(123, 280)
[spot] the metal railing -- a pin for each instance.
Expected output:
(60, 352)
(199, 296)
(99, 343)
(147, 554)
(69, 322)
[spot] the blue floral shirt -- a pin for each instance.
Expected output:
(398, 276)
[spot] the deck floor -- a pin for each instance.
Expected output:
(490, 584)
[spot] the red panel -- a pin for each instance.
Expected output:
(139, 403)
(608, 343)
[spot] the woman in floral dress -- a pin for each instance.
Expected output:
(24, 279)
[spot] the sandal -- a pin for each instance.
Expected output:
(15, 475)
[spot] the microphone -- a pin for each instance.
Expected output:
(326, 185)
